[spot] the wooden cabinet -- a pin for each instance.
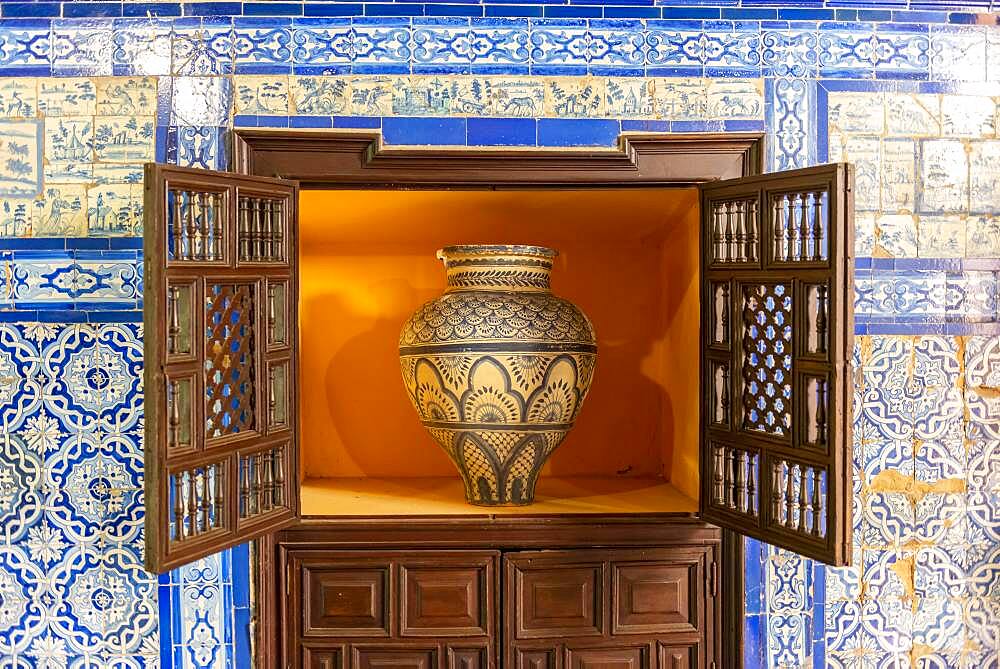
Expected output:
(563, 608)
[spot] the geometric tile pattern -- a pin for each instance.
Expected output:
(907, 90)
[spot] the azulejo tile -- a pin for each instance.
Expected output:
(262, 45)
(18, 97)
(791, 53)
(126, 96)
(21, 154)
(200, 101)
(202, 47)
(320, 96)
(968, 116)
(62, 212)
(26, 47)
(628, 97)
(123, 138)
(958, 53)
(938, 624)
(260, 95)
(982, 237)
(896, 235)
(82, 47)
(898, 175)
(194, 146)
(944, 176)
(69, 149)
(984, 176)
(982, 361)
(942, 236)
(568, 97)
(66, 96)
(142, 47)
(913, 115)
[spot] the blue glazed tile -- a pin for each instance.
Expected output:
(501, 132)
(333, 9)
(454, 10)
(577, 132)
(632, 12)
(272, 9)
(213, 9)
(424, 131)
(572, 11)
(378, 9)
(513, 10)
(691, 13)
(11, 10)
(151, 9)
(92, 9)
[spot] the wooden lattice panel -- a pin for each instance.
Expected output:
(220, 361)
(777, 323)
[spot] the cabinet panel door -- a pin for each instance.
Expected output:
(347, 601)
(617, 657)
(446, 600)
(219, 288)
(395, 658)
(558, 600)
(777, 337)
(677, 657)
(650, 598)
(323, 658)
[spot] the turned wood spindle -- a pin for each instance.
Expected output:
(731, 478)
(217, 226)
(777, 494)
(821, 320)
(817, 503)
(244, 225)
(279, 477)
(751, 238)
(820, 411)
(724, 396)
(739, 483)
(204, 228)
(205, 501)
(179, 520)
(192, 506)
(217, 495)
(256, 231)
(790, 499)
(174, 431)
(244, 487)
(728, 235)
(271, 316)
(177, 225)
(751, 484)
(803, 497)
(718, 462)
(724, 317)
(267, 253)
(717, 234)
(278, 231)
(258, 482)
(803, 250)
(817, 237)
(191, 225)
(779, 228)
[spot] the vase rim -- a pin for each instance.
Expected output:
(497, 249)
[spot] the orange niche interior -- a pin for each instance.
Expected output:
(627, 257)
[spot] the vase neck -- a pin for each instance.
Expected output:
(507, 268)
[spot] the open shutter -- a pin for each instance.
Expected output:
(220, 361)
(777, 335)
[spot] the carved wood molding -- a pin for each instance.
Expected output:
(332, 159)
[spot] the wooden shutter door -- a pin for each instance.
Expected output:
(220, 361)
(777, 338)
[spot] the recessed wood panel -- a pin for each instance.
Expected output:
(346, 601)
(607, 658)
(650, 598)
(467, 658)
(536, 659)
(556, 600)
(395, 658)
(323, 658)
(444, 601)
(677, 657)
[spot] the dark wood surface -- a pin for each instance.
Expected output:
(330, 159)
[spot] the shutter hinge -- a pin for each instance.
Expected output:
(288, 579)
(713, 579)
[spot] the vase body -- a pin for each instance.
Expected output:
(498, 367)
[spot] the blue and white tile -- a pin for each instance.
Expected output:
(945, 177)
(900, 52)
(385, 43)
(18, 97)
(898, 171)
(126, 96)
(739, 99)
(66, 96)
(195, 146)
(972, 116)
(202, 47)
(982, 237)
(69, 149)
(942, 236)
(559, 45)
(681, 51)
(958, 53)
(25, 47)
(62, 212)
(262, 45)
(984, 176)
(21, 153)
(938, 623)
(82, 47)
(913, 115)
(521, 97)
(320, 96)
(789, 53)
(730, 51)
(124, 139)
(260, 95)
(142, 46)
(568, 97)
(200, 101)
(627, 97)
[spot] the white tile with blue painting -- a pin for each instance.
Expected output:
(262, 45)
(735, 99)
(320, 96)
(194, 146)
(126, 96)
(938, 624)
(789, 53)
(18, 97)
(942, 236)
(264, 94)
(913, 115)
(982, 237)
(898, 175)
(569, 97)
(202, 47)
(25, 47)
(66, 96)
(62, 212)
(21, 155)
(200, 101)
(983, 517)
(675, 49)
(958, 53)
(944, 173)
(123, 139)
(82, 47)
(142, 47)
(984, 176)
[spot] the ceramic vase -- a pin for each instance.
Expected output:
(498, 367)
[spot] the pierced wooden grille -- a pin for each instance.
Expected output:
(220, 318)
(777, 289)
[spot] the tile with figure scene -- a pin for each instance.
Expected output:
(260, 95)
(20, 158)
(913, 115)
(968, 116)
(66, 96)
(69, 149)
(18, 97)
(864, 233)
(114, 209)
(942, 236)
(126, 96)
(200, 101)
(123, 139)
(735, 99)
(372, 96)
(944, 178)
(984, 176)
(857, 112)
(628, 97)
(898, 175)
(439, 96)
(865, 152)
(320, 96)
(522, 97)
(680, 99)
(574, 97)
(61, 212)
(982, 237)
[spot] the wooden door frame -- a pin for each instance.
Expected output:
(358, 159)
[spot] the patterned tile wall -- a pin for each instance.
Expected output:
(906, 90)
